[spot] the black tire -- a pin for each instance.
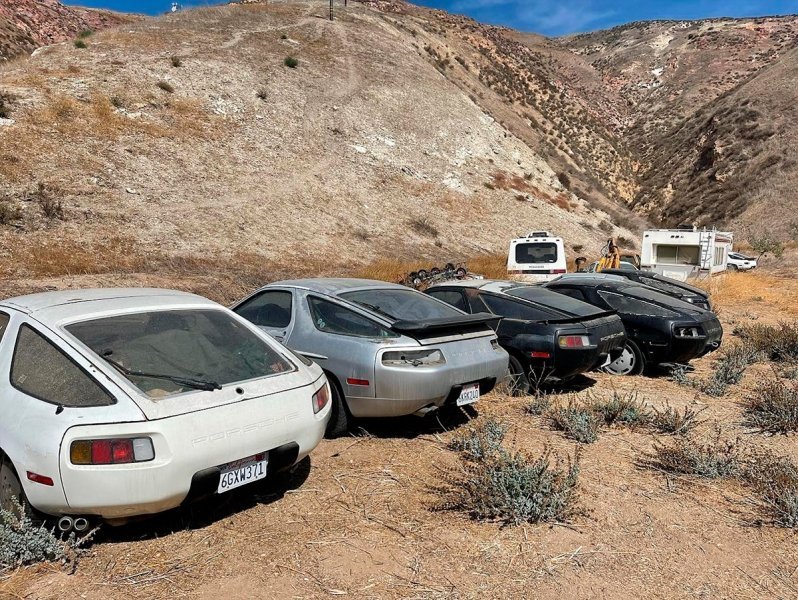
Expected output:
(340, 417)
(435, 271)
(517, 381)
(11, 488)
(422, 273)
(460, 273)
(630, 362)
(734, 267)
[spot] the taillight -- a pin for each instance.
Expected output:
(689, 332)
(557, 271)
(574, 341)
(111, 452)
(321, 398)
(540, 354)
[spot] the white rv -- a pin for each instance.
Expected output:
(539, 256)
(683, 253)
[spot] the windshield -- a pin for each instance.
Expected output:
(402, 305)
(645, 293)
(554, 300)
(168, 352)
(536, 253)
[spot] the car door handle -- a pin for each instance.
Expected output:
(312, 356)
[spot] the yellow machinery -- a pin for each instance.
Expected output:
(611, 256)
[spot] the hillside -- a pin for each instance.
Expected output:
(187, 136)
(707, 112)
(28, 24)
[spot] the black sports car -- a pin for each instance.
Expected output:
(660, 329)
(666, 285)
(546, 334)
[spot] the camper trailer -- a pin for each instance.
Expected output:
(683, 253)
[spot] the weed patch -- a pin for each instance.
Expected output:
(575, 421)
(775, 483)
(423, 227)
(779, 344)
(674, 422)
(621, 409)
(773, 406)
(710, 458)
(482, 441)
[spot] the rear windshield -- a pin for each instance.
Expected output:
(168, 352)
(645, 293)
(402, 305)
(554, 300)
(536, 253)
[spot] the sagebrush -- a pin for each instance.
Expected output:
(772, 406)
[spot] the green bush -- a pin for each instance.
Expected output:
(621, 409)
(176, 61)
(481, 441)
(577, 422)
(291, 62)
(514, 489)
(540, 404)
(22, 542)
(80, 44)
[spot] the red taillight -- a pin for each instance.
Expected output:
(353, 381)
(574, 341)
(321, 398)
(101, 452)
(111, 451)
(558, 271)
(538, 354)
(43, 479)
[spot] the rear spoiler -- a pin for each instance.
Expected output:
(456, 324)
(579, 318)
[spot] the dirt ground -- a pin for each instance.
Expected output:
(362, 518)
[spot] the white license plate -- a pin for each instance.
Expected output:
(242, 472)
(468, 395)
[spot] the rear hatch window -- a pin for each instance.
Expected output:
(650, 295)
(554, 300)
(164, 353)
(536, 253)
(402, 305)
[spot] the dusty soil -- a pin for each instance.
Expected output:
(362, 519)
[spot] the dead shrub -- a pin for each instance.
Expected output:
(772, 406)
(423, 227)
(674, 422)
(778, 344)
(9, 212)
(620, 409)
(166, 87)
(6, 102)
(775, 483)
(710, 458)
(176, 61)
(50, 205)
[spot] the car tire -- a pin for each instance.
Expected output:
(340, 417)
(517, 380)
(630, 362)
(734, 267)
(11, 487)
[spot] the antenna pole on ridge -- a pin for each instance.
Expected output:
(332, 16)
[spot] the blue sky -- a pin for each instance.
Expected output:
(550, 17)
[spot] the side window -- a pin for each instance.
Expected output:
(453, 297)
(334, 318)
(511, 309)
(268, 309)
(4, 319)
(573, 293)
(41, 370)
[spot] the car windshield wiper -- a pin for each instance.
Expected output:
(377, 309)
(198, 384)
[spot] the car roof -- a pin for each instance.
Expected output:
(592, 277)
(335, 286)
(67, 304)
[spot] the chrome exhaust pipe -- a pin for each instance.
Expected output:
(81, 524)
(65, 524)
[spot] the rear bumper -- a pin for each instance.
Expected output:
(189, 449)
(405, 390)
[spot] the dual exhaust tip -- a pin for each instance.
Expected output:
(67, 524)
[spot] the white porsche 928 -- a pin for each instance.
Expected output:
(124, 402)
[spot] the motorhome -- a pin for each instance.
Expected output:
(539, 256)
(684, 253)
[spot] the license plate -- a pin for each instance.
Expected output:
(468, 395)
(242, 472)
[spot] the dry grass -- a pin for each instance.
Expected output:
(740, 289)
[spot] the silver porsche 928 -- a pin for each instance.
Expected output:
(386, 349)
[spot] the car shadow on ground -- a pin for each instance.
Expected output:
(200, 514)
(579, 383)
(411, 426)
